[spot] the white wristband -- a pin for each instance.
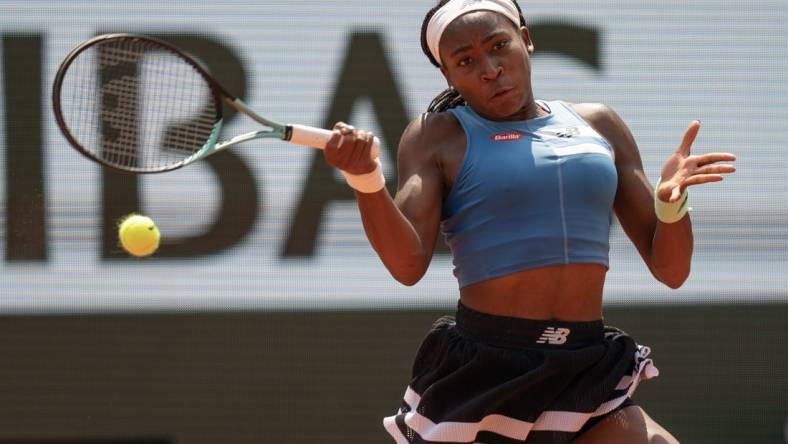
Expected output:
(371, 182)
(668, 212)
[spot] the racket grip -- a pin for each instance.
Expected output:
(319, 137)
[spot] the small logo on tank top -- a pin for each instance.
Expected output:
(506, 137)
(564, 133)
(553, 336)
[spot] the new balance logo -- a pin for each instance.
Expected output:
(553, 336)
(568, 132)
(564, 133)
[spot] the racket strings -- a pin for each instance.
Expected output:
(137, 105)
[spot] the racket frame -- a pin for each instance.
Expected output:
(306, 135)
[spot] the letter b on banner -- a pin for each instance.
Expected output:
(121, 193)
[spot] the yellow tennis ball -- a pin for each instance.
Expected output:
(138, 235)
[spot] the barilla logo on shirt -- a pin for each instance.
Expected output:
(506, 137)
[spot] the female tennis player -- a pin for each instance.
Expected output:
(523, 191)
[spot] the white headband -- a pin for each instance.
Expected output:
(455, 8)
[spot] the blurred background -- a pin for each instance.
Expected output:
(266, 317)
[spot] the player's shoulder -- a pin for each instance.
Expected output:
(595, 113)
(434, 124)
(430, 132)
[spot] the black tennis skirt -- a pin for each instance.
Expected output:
(479, 378)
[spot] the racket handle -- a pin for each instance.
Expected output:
(318, 138)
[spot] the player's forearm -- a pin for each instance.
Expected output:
(393, 237)
(671, 252)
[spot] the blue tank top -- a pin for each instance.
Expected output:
(529, 194)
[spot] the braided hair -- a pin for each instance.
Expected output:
(449, 98)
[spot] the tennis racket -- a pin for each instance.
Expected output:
(141, 105)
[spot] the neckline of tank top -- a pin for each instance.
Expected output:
(541, 103)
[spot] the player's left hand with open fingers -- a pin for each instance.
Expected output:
(683, 169)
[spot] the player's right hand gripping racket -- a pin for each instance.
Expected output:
(140, 105)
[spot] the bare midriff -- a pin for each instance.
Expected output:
(571, 292)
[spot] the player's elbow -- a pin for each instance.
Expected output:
(408, 281)
(410, 272)
(674, 284)
(673, 279)
(408, 277)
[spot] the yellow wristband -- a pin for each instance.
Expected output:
(668, 212)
